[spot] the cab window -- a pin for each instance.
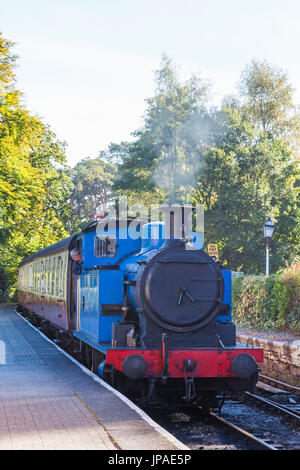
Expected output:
(105, 247)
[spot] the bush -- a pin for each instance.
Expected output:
(266, 303)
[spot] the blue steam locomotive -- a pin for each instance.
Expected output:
(145, 311)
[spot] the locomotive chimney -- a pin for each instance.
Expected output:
(172, 225)
(175, 230)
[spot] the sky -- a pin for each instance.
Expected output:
(86, 66)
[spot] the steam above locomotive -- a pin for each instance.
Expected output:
(150, 310)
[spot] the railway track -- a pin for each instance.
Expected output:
(255, 422)
(284, 400)
(277, 384)
(290, 407)
(265, 443)
(286, 404)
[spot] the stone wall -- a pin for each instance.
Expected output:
(281, 358)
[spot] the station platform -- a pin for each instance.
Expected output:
(48, 401)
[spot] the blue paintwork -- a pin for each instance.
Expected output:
(100, 287)
(102, 347)
(152, 236)
(89, 306)
(227, 297)
(101, 369)
(111, 292)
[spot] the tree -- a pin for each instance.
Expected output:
(268, 102)
(238, 160)
(93, 181)
(34, 184)
(161, 162)
(250, 173)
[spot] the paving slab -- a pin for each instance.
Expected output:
(49, 401)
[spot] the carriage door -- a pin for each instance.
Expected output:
(89, 304)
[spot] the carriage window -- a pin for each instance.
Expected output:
(53, 274)
(105, 246)
(57, 276)
(62, 277)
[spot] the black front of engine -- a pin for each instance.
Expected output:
(179, 292)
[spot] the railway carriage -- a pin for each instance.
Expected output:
(46, 284)
(144, 311)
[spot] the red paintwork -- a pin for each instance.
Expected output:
(209, 362)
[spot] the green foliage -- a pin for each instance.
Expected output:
(268, 103)
(34, 185)
(162, 160)
(7, 60)
(238, 160)
(93, 181)
(248, 172)
(268, 98)
(272, 302)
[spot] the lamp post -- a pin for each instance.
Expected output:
(268, 233)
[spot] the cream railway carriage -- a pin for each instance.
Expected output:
(44, 280)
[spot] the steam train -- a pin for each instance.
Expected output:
(148, 312)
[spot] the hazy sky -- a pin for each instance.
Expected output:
(86, 66)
